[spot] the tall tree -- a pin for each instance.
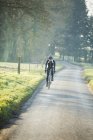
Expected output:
(77, 29)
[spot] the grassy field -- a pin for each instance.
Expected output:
(15, 89)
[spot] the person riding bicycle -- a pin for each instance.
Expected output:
(50, 64)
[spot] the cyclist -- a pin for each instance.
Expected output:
(50, 64)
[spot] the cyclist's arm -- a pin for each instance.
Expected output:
(46, 65)
(54, 64)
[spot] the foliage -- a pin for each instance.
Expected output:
(28, 26)
(78, 29)
(21, 23)
(63, 22)
(76, 39)
(14, 90)
(90, 39)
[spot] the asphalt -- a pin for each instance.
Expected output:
(63, 112)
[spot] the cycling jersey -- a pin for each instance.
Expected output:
(50, 64)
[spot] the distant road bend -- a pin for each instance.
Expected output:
(64, 112)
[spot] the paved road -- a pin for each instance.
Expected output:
(65, 112)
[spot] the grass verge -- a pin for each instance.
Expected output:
(14, 90)
(88, 74)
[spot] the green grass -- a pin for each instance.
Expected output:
(14, 90)
(88, 74)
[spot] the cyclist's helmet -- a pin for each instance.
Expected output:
(50, 57)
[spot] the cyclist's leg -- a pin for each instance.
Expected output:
(52, 75)
(47, 77)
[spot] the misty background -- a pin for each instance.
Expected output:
(32, 29)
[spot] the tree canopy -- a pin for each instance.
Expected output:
(28, 26)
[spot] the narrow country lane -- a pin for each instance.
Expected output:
(65, 112)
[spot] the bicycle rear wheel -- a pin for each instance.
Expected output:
(49, 82)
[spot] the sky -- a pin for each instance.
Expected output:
(89, 4)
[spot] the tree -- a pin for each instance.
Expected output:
(75, 38)
(19, 18)
(90, 38)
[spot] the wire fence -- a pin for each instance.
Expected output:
(5, 66)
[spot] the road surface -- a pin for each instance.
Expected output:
(64, 112)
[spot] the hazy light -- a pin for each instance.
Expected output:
(49, 45)
(81, 36)
(89, 4)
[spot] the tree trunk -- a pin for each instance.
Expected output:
(92, 56)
